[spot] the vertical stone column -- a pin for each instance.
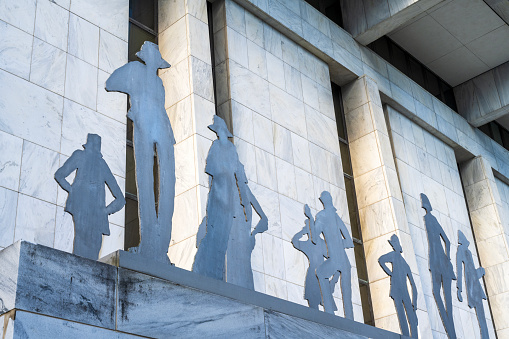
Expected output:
(183, 31)
(379, 198)
(485, 207)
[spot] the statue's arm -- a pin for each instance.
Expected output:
(296, 238)
(459, 273)
(67, 168)
(263, 224)
(414, 288)
(348, 241)
(119, 80)
(119, 202)
(383, 260)
(447, 242)
(480, 272)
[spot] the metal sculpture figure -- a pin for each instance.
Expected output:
(337, 240)
(242, 241)
(399, 291)
(223, 166)
(315, 254)
(475, 292)
(86, 201)
(153, 139)
(440, 266)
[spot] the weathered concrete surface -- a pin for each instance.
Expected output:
(44, 291)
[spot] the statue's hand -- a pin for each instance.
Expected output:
(307, 211)
(460, 297)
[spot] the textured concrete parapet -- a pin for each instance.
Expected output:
(48, 291)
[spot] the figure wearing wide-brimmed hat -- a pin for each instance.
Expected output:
(87, 196)
(224, 167)
(152, 138)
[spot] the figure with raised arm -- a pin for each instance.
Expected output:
(338, 239)
(224, 167)
(86, 201)
(440, 266)
(475, 292)
(399, 274)
(242, 240)
(315, 254)
(153, 144)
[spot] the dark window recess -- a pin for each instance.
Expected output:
(496, 132)
(142, 27)
(330, 8)
(414, 69)
(353, 210)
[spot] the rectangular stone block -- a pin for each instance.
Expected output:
(43, 280)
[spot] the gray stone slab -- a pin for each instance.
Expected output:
(30, 325)
(43, 280)
(192, 280)
(279, 325)
(160, 309)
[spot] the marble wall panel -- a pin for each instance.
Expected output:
(81, 82)
(287, 111)
(10, 160)
(20, 14)
(35, 221)
(8, 207)
(150, 310)
(47, 68)
(15, 50)
(51, 24)
(244, 82)
(83, 40)
(112, 52)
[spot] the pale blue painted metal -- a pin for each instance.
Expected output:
(400, 273)
(86, 201)
(152, 139)
(475, 292)
(315, 252)
(440, 266)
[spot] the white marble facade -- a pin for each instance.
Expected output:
(54, 60)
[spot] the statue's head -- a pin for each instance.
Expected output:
(425, 203)
(150, 54)
(219, 127)
(326, 199)
(93, 143)
(394, 241)
(462, 239)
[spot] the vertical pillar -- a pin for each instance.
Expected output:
(379, 197)
(485, 207)
(183, 31)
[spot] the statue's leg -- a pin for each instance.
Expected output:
(400, 310)
(144, 159)
(166, 170)
(324, 272)
(411, 315)
(448, 301)
(346, 291)
(481, 318)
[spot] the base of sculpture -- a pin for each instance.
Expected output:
(44, 290)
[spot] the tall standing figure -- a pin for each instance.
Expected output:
(87, 196)
(153, 139)
(242, 240)
(475, 293)
(337, 240)
(399, 274)
(315, 252)
(440, 266)
(223, 166)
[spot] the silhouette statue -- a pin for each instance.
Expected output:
(152, 139)
(224, 167)
(440, 266)
(337, 240)
(315, 254)
(475, 293)
(399, 291)
(86, 201)
(242, 240)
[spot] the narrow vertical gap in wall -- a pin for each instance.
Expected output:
(210, 19)
(353, 209)
(475, 241)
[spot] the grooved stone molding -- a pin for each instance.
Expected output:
(379, 198)
(487, 212)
